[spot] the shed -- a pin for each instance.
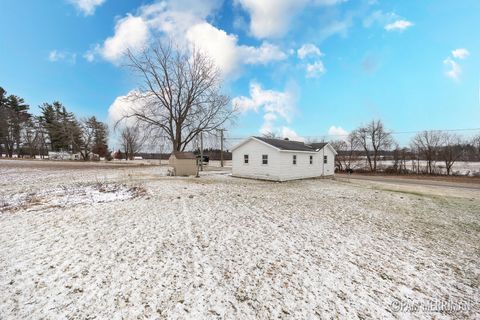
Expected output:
(282, 159)
(183, 163)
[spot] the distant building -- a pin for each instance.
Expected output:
(282, 160)
(183, 163)
(63, 155)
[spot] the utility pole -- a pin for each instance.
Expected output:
(201, 150)
(221, 146)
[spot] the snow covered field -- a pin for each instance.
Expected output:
(459, 167)
(113, 242)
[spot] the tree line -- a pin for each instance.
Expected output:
(24, 134)
(429, 152)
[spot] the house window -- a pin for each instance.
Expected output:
(311, 159)
(245, 158)
(325, 159)
(294, 159)
(264, 158)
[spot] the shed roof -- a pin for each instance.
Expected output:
(184, 155)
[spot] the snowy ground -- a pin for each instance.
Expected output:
(136, 244)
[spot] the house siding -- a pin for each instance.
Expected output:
(280, 163)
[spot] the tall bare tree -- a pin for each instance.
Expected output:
(180, 95)
(476, 144)
(132, 141)
(347, 152)
(373, 138)
(452, 149)
(427, 144)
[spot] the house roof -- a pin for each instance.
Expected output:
(292, 145)
(289, 145)
(318, 146)
(184, 155)
(286, 144)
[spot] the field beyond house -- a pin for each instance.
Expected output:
(112, 241)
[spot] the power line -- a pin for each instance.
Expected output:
(392, 132)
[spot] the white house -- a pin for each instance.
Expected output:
(282, 160)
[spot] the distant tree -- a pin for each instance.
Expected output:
(33, 137)
(452, 149)
(3, 119)
(14, 114)
(373, 138)
(427, 145)
(63, 130)
(400, 157)
(347, 152)
(132, 141)
(476, 143)
(181, 96)
(100, 141)
(270, 135)
(93, 139)
(85, 143)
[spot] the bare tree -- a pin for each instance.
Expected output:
(85, 143)
(361, 137)
(347, 152)
(270, 135)
(427, 144)
(476, 144)
(373, 138)
(132, 141)
(180, 96)
(452, 149)
(33, 137)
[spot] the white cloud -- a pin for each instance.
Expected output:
(291, 135)
(379, 17)
(219, 45)
(87, 6)
(315, 70)
(185, 22)
(125, 105)
(308, 49)
(226, 52)
(453, 69)
(271, 18)
(460, 53)
(130, 33)
(57, 56)
(54, 56)
(399, 25)
(276, 105)
(90, 55)
(389, 20)
(266, 53)
(337, 132)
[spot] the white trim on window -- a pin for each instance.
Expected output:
(246, 159)
(264, 159)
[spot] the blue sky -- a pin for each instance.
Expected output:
(302, 68)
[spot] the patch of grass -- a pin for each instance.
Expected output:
(414, 193)
(473, 226)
